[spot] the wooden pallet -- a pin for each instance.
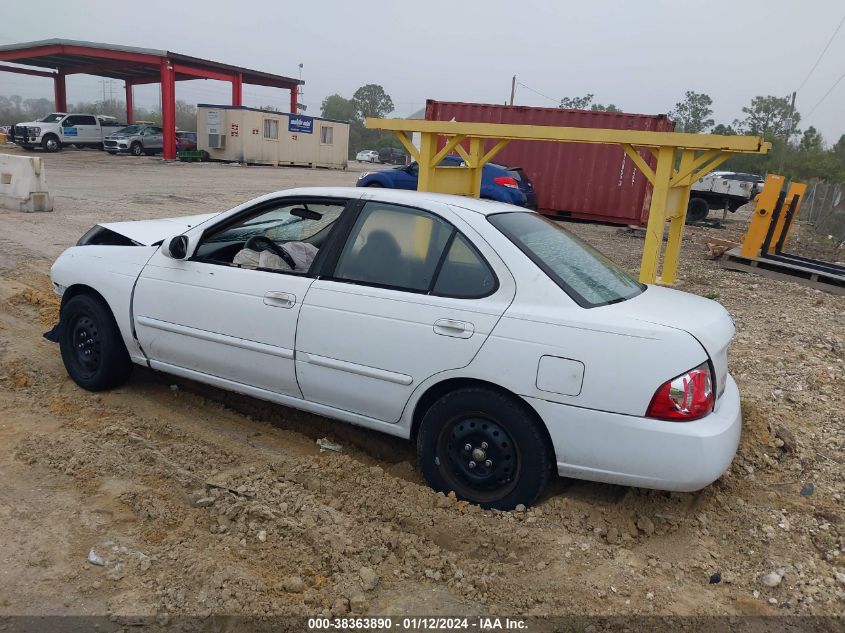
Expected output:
(784, 271)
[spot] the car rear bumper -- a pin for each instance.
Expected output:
(635, 451)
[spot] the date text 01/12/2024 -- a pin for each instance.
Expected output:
(416, 624)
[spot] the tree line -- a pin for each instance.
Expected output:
(15, 109)
(804, 153)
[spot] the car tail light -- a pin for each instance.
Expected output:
(506, 181)
(687, 397)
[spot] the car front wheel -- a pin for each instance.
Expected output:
(51, 143)
(135, 149)
(486, 447)
(92, 348)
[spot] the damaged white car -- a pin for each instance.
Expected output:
(504, 346)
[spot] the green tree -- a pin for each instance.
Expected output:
(724, 130)
(586, 103)
(767, 116)
(577, 103)
(372, 101)
(693, 113)
(338, 108)
(811, 141)
(610, 107)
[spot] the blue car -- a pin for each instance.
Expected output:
(504, 184)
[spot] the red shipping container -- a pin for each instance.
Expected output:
(579, 180)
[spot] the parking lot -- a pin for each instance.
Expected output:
(286, 529)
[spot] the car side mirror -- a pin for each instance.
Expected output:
(175, 247)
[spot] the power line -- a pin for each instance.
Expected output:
(827, 46)
(819, 102)
(538, 92)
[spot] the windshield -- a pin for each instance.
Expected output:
(52, 118)
(130, 129)
(586, 275)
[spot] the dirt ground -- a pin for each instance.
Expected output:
(200, 502)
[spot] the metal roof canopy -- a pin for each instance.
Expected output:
(671, 179)
(134, 66)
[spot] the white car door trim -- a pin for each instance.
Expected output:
(355, 368)
(214, 337)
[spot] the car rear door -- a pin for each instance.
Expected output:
(153, 138)
(407, 296)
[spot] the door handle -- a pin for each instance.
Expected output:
(453, 327)
(279, 299)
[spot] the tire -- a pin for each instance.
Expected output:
(697, 210)
(136, 149)
(375, 184)
(51, 143)
(110, 152)
(204, 157)
(92, 347)
(511, 455)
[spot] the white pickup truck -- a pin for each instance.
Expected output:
(724, 190)
(60, 129)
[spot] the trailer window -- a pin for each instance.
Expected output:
(326, 134)
(271, 129)
(586, 275)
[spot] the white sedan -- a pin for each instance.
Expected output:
(503, 345)
(367, 156)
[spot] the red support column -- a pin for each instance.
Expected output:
(237, 89)
(60, 92)
(294, 99)
(168, 109)
(129, 104)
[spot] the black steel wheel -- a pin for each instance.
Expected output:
(485, 446)
(92, 348)
(697, 210)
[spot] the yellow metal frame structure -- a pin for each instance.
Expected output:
(671, 179)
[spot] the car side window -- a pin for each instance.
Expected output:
(86, 120)
(300, 227)
(394, 246)
(464, 273)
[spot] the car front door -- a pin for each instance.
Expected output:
(407, 296)
(81, 128)
(230, 312)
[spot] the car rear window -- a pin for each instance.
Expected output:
(586, 275)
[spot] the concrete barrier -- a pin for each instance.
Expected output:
(23, 184)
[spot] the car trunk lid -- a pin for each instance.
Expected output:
(704, 319)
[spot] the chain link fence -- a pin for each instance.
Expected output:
(823, 208)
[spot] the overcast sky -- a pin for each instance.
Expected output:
(639, 54)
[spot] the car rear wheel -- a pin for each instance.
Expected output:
(486, 447)
(92, 348)
(135, 149)
(375, 184)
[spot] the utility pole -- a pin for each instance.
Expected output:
(786, 133)
(513, 87)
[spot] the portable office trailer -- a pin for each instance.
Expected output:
(264, 137)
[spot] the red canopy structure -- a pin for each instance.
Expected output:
(134, 66)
